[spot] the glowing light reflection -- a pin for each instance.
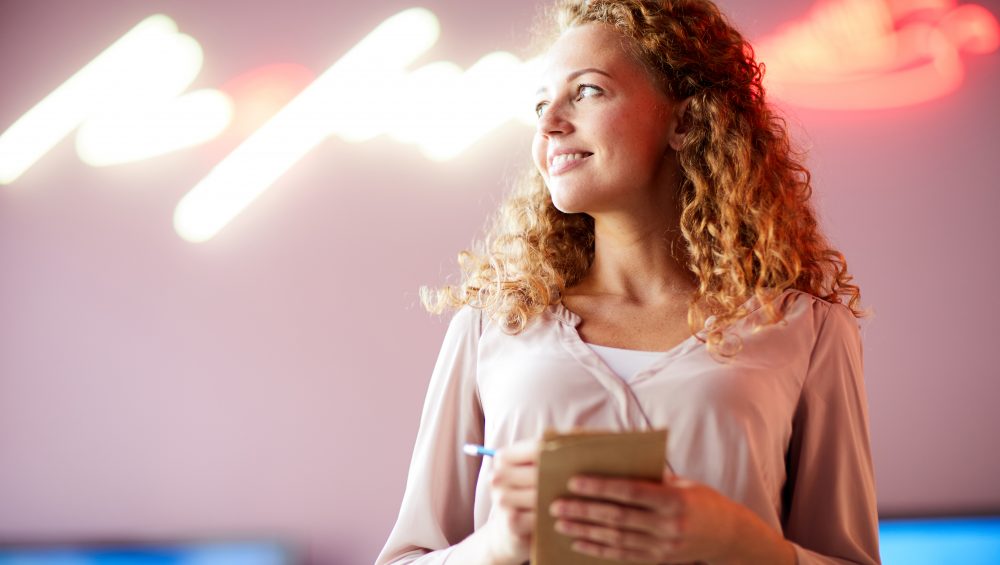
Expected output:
(262, 91)
(864, 54)
(446, 110)
(151, 62)
(324, 106)
(137, 133)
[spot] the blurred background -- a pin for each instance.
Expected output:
(210, 328)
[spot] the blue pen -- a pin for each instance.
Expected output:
(477, 450)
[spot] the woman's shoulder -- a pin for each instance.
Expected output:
(471, 318)
(467, 319)
(822, 316)
(820, 305)
(807, 327)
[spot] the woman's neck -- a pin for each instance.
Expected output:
(643, 263)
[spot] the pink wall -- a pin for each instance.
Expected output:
(269, 381)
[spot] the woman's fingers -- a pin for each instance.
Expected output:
(523, 522)
(664, 498)
(515, 476)
(520, 476)
(515, 466)
(514, 493)
(515, 499)
(619, 553)
(648, 522)
(617, 537)
(617, 543)
(597, 514)
(524, 452)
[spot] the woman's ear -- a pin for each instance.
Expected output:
(680, 121)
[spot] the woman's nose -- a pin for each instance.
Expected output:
(554, 120)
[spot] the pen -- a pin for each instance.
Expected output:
(477, 450)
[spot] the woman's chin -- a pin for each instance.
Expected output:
(567, 203)
(566, 208)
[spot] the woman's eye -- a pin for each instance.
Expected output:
(582, 91)
(585, 90)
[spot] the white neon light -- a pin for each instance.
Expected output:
(138, 133)
(151, 62)
(444, 110)
(365, 94)
(127, 108)
(332, 103)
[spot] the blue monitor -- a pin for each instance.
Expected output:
(940, 541)
(189, 553)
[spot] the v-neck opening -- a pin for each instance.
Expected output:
(585, 354)
(573, 320)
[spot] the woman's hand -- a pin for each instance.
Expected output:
(514, 493)
(676, 521)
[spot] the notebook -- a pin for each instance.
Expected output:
(639, 455)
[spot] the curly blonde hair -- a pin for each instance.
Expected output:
(748, 225)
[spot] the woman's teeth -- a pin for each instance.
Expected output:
(560, 159)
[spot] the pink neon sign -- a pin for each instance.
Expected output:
(867, 54)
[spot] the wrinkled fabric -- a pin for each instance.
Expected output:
(780, 427)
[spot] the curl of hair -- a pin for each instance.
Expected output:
(748, 225)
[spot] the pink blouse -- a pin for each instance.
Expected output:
(781, 427)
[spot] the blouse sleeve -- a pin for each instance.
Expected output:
(830, 515)
(437, 508)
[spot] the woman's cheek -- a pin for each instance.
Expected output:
(538, 153)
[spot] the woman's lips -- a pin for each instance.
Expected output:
(567, 161)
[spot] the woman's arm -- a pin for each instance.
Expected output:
(829, 500)
(505, 539)
(437, 508)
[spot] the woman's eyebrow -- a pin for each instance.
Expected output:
(577, 73)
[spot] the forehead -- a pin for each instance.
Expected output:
(589, 45)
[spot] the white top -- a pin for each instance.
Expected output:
(626, 363)
(781, 427)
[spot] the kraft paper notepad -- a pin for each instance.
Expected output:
(639, 455)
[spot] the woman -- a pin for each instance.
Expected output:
(663, 269)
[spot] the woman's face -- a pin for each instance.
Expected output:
(604, 129)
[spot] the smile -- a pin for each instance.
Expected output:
(566, 161)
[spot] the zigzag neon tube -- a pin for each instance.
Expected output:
(340, 101)
(150, 62)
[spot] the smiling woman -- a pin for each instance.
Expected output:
(661, 268)
(604, 129)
